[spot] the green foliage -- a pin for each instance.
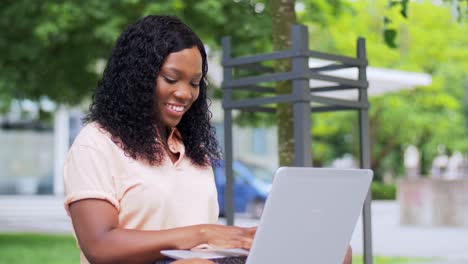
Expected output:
(52, 48)
(333, 135)
(390, 36)
(322, 12)
(35, 248)
(390, 33)
(430, 41)
(458, 9)
(382, 191)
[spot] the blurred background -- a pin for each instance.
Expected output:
(52, 53)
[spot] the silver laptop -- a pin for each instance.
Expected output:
(310, 215)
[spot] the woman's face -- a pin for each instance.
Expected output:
(177, 85)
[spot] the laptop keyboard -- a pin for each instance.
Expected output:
(233, 260)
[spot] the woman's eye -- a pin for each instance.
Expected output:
(195, 85)
(169, 80)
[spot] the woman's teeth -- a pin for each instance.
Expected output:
(175, 108)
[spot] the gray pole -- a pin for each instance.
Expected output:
(301, 92)
(365, 161)
(228, 152)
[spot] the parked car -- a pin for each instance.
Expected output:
(250, 191)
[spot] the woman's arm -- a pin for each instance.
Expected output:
(96, 227)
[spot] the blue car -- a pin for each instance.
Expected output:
(250, 191)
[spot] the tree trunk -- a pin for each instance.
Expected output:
(283, 17)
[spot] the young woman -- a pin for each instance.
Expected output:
(138, 177)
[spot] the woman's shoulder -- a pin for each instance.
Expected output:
(92, 135)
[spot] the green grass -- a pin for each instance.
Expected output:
(392, 260)
(38, 248)
(62, 249)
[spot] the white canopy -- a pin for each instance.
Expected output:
(380, 80)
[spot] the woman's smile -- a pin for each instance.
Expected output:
(175, 107)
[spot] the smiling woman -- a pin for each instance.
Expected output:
(138, 177)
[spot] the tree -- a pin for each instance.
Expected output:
(56, 48)
(51, 51)
(283, 17)
(426, 116)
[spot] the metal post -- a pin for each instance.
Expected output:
(364, 145)
(228, 152)
(301, 92)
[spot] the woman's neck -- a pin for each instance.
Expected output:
(163, 133)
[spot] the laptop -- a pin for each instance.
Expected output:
(309, 216)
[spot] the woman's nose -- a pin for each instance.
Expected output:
(183, 92)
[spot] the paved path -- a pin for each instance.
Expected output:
(46, 214)
(392, 239)
(35, 213)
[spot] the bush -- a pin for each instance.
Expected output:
(382, 191)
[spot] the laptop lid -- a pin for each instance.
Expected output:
(310, 215)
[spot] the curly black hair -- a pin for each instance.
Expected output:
(124, 102)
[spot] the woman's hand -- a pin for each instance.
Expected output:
(221, 236)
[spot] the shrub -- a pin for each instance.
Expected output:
(382, 191)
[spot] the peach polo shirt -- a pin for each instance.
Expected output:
(146, 197)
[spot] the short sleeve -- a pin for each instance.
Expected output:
(87, 175)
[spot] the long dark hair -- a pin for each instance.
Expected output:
(123, 103)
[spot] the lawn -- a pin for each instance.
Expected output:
(38, 248)
(62, 249)
(392, 260)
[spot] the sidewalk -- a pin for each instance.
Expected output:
(35, 213)
(448, 244)
(392, 239)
